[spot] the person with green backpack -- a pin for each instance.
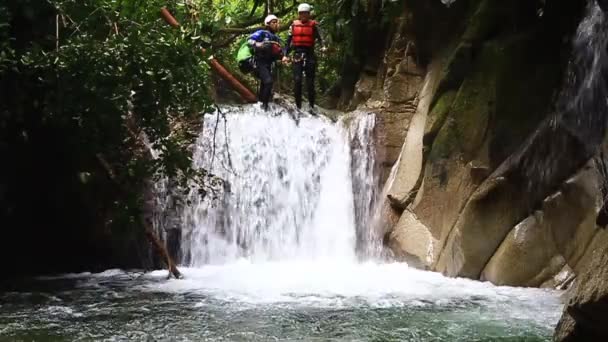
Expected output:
(259, 54)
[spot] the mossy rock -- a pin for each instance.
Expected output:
(483, 22)
(527, 77)
(458, 66)
(470, 112)
(503, 99)
(437, 116)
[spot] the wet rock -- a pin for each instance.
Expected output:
(584, 317)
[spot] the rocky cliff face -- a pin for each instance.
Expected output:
(584, 318)
(493, 141)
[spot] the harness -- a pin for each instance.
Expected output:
(299, 57)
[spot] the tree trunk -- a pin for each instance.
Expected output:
(148, 210)
(160, 249)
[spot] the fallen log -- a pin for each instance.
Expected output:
(243, 91)
(160, 249)
(157, 245)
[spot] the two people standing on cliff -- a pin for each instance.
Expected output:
(266, 46)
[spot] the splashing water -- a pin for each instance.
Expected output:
(276, 301)
(295, 192)
(584, 103)
(275, 257)
(572, 135)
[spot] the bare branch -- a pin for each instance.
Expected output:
(240, 30)
(57, 32)
(226, 143)
(217, 122)
(255, 6)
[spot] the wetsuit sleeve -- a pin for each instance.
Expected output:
(257, 36)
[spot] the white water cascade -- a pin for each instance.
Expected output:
(285, 252)
(292, 231)
(294, 192)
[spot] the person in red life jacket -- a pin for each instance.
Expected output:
(303, 33)
(267, 50)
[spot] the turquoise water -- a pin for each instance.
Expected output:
(274, 302)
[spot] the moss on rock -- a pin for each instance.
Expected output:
(437, 116)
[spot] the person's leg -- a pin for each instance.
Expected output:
(311, 66)
(297, 79)
(265, 83)
(257, 74)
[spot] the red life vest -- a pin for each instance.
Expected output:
(303, 33)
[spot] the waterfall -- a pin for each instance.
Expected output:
(365, 183)
(572, 135)
(583, 105)
(292, 191)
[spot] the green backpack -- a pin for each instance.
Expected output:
(244, 52)
(243, 58)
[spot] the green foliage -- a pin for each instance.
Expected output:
(344, 23)
(94, 74)
(98, 73)
(6, 52)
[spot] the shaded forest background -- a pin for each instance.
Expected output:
(89, 85)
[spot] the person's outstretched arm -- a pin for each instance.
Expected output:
(287, 48)
(319, 35)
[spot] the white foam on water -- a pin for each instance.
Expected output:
(341, 285)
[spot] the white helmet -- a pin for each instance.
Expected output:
(303, 8)
(270, 18)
